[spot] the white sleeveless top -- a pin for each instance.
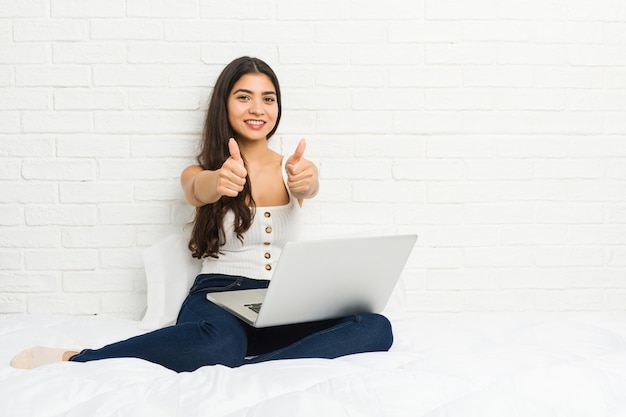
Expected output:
(256, 256)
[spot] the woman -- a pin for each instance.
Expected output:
(247, 200)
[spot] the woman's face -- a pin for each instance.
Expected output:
(252, 107)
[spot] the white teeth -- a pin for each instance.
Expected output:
(254, 122)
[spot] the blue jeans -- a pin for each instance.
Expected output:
(206, 334)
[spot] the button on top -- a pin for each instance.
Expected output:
(267, 214)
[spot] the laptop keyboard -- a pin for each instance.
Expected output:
(254, 307)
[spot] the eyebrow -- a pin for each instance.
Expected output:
(243, 90)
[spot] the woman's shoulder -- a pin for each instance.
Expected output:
(271, 160)
(276, 157)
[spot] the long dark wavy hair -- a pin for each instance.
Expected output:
(208, 235)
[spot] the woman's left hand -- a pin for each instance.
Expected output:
(302, 174)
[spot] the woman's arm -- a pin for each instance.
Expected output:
(203, 187)
(199, 185)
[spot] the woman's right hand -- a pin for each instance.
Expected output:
(206, 187)
(232, 174)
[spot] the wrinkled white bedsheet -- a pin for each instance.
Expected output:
(500, 365)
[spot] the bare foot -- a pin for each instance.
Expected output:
(38, 356)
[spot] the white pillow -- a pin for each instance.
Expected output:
(170, 273)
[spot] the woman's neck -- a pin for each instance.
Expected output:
(254, 151)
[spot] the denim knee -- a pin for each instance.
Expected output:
(223, 347)
(379, 327)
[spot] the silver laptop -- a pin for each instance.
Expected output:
(323, 279)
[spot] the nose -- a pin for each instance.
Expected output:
(256, 106)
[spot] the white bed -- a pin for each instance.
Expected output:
(465, 365)
(537, 365)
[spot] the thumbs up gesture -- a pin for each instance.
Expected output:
(302, 174)
(232, 174)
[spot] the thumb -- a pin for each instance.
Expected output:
(233, 148)
(299, 152)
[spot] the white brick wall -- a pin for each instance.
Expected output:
(495, 129)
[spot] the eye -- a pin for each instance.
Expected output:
(270, 99)
(243, 97)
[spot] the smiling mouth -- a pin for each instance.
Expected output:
(255, 122)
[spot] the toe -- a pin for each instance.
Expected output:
(23, 361)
